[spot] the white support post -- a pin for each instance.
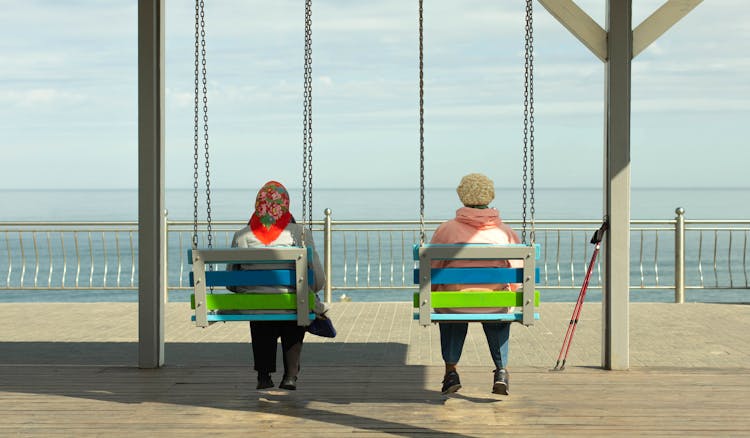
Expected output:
(616, 46)
(327, 255)
(616, 288)
(679, 256)
(152, 287)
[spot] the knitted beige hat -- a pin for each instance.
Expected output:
(476, 189)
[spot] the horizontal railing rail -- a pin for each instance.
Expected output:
(68, 255)
(367, 255)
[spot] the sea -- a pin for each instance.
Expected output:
(551, 203)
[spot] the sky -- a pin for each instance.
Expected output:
(68, 95)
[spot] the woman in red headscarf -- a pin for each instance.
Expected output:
(271, 224)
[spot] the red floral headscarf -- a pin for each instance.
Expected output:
(271, 215)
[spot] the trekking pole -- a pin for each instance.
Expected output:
(596, 239)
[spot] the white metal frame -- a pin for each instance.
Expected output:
(429, 253)
(201, 257)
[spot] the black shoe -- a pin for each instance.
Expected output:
(264, 381)
(289, 383)
(501, 382)
(451, 383)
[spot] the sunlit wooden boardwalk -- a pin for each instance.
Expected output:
(71, 370)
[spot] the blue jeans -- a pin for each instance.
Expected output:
(453, 335)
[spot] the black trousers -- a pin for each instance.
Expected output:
(265, 335)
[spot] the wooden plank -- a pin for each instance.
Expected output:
(249, 255)
(236, 317)
(377, 400)
(252, 301)
(257, 277)
(477, 317)
(457, 251)
(462, 299)
(372, 379)
(475, 275)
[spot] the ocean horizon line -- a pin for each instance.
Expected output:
(201, 190)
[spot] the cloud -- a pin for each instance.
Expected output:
(688, 104)
(40, 97)
(326, 81)
(74, 62)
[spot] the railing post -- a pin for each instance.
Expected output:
(165, 252)
(679, 256)
(327, 255)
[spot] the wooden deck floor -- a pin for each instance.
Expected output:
(70, 370)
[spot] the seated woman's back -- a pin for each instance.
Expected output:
(475, 225)
(291, 235)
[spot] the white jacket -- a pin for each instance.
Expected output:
(291, 236)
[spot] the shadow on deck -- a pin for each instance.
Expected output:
(66, 372)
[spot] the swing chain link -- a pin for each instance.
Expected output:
(200, 79)
(205, 123)
(307, 208)
(308, 30)
(196, 126)
(528, 126)
(530, 31)
(421, 124)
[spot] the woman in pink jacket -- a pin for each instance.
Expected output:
(475, 222)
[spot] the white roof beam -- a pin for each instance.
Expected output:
(659, 22)
(580, 24)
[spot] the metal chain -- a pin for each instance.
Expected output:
(205, 122)
(196, 127)
(528, 124)
(307, 211)
(200, 77)
(530, 56)
(421, 124)
(530, 37)
(308, 51)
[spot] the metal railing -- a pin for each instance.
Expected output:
(676, 254)
(69, 255)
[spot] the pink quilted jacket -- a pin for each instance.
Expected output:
(473, 225)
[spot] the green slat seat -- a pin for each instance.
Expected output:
(428, 302)
(247, 305)
(476, 299)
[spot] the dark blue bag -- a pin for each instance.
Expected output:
(322, 326)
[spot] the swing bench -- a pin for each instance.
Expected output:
(291, 306)
(426, 301)
(251, 306)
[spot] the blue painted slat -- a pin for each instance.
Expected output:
(415, 248)
(484, 317)
(254, 317)
(475, 275)
(260, 277)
